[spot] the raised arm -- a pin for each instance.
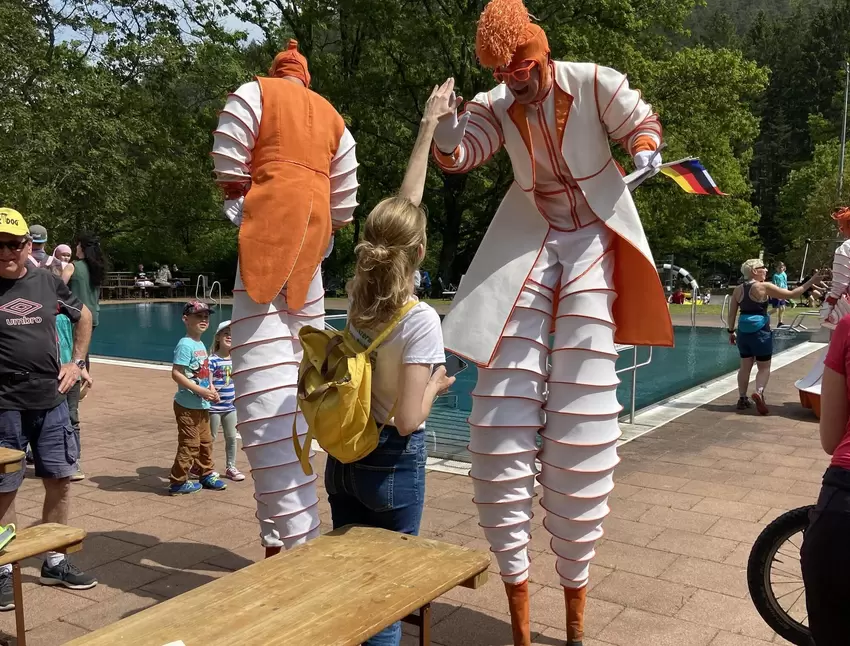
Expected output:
(468, 141)
(628, 119)
(234, 139)
(440, 105)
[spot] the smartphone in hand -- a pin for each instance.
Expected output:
(455, 365)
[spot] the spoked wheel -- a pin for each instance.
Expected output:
(775, 578)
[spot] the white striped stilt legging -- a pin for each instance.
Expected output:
(266, 354)
(572, 405)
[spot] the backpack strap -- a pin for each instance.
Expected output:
(394, 321)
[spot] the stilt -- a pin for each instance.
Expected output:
(520, 613)
(575, 600)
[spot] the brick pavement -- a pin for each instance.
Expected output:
(690, 498)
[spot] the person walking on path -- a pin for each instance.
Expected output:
(753, 335)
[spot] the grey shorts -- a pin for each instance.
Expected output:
(55, 446)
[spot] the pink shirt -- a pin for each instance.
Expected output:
(838, 359)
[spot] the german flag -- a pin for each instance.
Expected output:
(691, 175)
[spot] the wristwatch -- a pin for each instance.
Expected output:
(81, 364)
(730, 331)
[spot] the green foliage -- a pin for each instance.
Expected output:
(107, 112)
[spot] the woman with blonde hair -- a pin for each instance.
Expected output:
(387, 488)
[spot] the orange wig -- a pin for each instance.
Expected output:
(292, 63)
(506, 37)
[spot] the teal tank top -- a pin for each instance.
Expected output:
(80, 286)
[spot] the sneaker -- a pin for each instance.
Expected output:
(184, 487)
(30, 459)
(7, 592)
(761, 406)
(234, 474)
(79, 475)
(212, 481)
(66, 574)
(743, 403)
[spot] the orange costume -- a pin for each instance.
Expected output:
(287, 164)
(566, 252)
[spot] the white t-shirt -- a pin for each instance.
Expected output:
(417, 339)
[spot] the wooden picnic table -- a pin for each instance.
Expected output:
(337, 590)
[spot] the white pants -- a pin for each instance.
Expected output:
(568, 396)
(266, 355)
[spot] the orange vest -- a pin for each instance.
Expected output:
(286, 224)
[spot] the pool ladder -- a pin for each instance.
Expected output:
(202, 293)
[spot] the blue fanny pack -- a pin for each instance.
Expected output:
(749, 323)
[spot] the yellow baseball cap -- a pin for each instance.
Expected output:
(13, 222)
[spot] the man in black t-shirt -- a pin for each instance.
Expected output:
(33, 384)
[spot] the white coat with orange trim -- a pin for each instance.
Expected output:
(593, 105)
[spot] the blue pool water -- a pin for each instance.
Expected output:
(149, 331)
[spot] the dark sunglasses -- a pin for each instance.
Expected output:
(13, 245)
(520, 74)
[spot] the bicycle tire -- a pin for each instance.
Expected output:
(758, 575)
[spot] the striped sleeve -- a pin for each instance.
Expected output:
(482, 138)
(628, 119)
(343, 176)
(235, 136)
(840, 272)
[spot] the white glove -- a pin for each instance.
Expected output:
(642, 160)
(450, 131)
(233, 210)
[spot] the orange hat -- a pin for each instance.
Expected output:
(842, 214)
(507, 36)
(291, 62)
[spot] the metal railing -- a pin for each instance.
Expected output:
(633, 369)
(201, 284)
(217, 302)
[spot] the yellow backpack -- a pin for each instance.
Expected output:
(335, 393)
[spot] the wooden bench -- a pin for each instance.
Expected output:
(32, 541)
(339, 589)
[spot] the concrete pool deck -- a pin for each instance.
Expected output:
(691, 496)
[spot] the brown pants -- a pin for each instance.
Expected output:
(194, 443)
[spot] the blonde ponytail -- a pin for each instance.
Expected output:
(386, 260)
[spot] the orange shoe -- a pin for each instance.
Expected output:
(575, 601)
(520, 612)
(761, 406)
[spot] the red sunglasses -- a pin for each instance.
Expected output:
(520, 74)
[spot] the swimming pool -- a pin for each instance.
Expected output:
(149, 332)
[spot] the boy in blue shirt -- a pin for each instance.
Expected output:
(191, 372)
(780, 279)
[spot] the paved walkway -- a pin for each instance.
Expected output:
(690, 499)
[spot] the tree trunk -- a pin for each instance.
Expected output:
(453, 186)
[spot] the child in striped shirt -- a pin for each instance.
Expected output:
(223, 412)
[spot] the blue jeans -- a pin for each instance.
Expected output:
(385, 489)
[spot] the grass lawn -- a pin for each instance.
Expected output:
(701, 309)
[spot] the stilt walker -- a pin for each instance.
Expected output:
(566, 250)
(287, 164)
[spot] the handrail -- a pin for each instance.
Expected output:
(201, 283)
(212, 289)
(633, 369)
(723, 309)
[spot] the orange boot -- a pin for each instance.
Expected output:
(520, 614)
(575, 600)
(272, 551)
